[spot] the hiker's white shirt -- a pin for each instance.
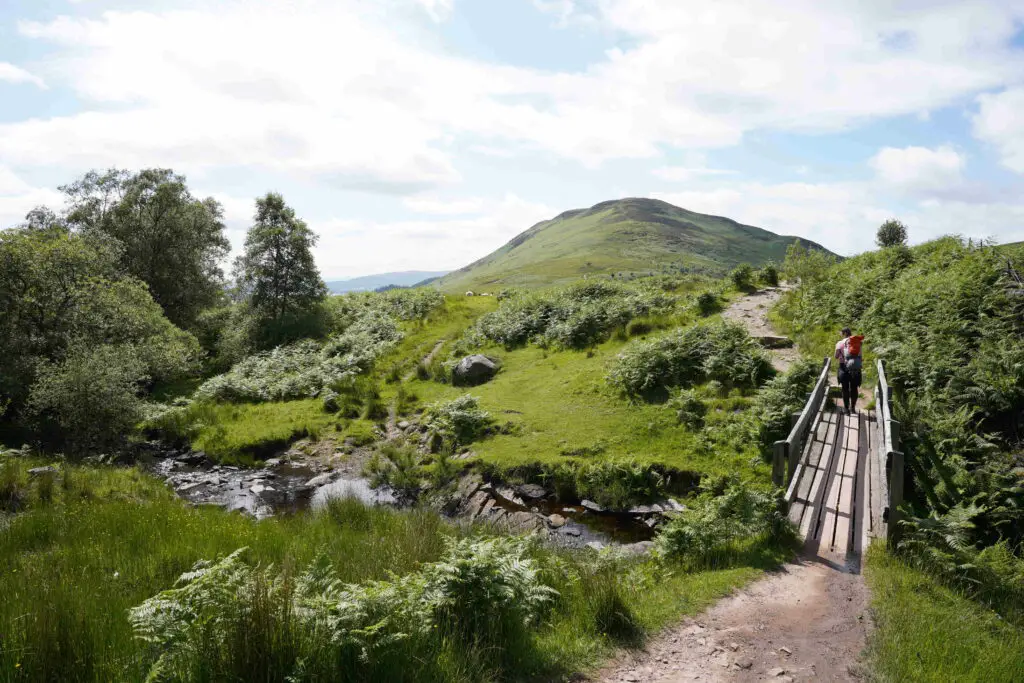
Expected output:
(841, 349)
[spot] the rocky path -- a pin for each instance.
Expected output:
(751, 311)
(805, 622)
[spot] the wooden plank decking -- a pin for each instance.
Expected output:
(838, 487)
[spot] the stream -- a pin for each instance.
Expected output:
(284, 486)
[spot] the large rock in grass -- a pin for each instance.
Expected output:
(473, 370)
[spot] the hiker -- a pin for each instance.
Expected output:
(850, 362)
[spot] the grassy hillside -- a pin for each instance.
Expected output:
(621, 237)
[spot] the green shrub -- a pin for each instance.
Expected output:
(90, 401)
(708, 303)
(689, 408)
(459, 421)
(397, 466)
(573, 317)
(224, 619)
(712, 522)
(781, 397)
(769, 275)
(304, 369)
(723, 352)
(742, 277)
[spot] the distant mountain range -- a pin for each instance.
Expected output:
(623, 237)
(406, 278)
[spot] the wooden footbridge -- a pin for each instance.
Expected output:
(843, 473)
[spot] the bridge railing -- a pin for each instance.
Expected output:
(888, 466)
(786, 453)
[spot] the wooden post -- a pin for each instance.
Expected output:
(895, 498)
(793, 460)
(779, 459)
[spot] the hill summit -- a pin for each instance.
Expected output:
(622, 237)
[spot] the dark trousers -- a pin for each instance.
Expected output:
(849, 380)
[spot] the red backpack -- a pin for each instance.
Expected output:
(853, 345)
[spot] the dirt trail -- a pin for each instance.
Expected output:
(806, 621)
(751, 311)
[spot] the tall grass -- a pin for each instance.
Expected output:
(110, 539)
(927, 632)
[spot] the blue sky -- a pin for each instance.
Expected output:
(422, 134)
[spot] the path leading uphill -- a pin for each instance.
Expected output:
(751, 311)
(803, 622)
(806, 621)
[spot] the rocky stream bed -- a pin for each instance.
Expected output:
(308, 475)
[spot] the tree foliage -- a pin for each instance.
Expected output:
(67, 313)
(90, 397)
(277, 274)
(891, 233)
(169, 239)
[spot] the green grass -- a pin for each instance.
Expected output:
(559, 403)
(110, 538)
(927, 632)
(241, 432)
(629, 236)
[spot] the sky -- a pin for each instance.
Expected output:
(423, 134)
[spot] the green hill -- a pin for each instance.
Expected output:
(620, 237)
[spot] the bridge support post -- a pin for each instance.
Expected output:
(895, 497)
(779, 460)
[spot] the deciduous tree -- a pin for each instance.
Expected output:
(171, 240)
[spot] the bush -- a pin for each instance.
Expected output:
(712, 523)
(723, 352)
(396, 466)
(781, 397)
(223, 617)
(742, 277)
(457, 422)
(574, 317)
(708, 303)
(689, 408)
(769, 275)
(91, 400)
(304, 369)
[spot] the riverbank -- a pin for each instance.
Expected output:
(88, 543)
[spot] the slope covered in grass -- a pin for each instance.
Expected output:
(622, 237)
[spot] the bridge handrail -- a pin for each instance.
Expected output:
(891, 461)
(786, 452)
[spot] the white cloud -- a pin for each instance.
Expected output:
(351, 248)
(432, 205)
(347, 92)
(18, 197)
(438, 10)
(10, 73)
(808, 65)
(920, 169)
(684, 173)
(1000, 122)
